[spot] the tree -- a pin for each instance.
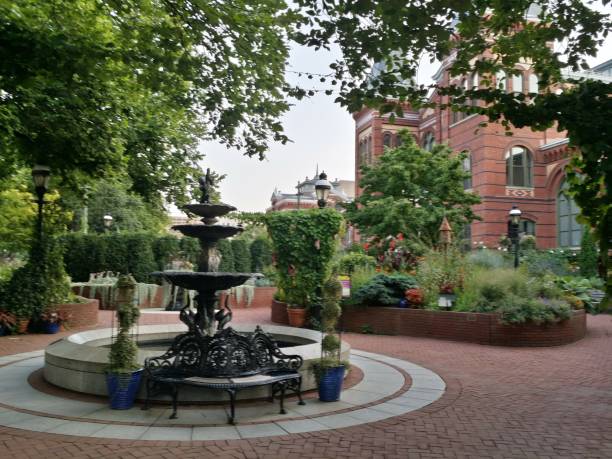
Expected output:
(93, 88)
(484, 37)
(261, 254)
(587, 258)
(111, 197)
(409, 190)
(242, 255)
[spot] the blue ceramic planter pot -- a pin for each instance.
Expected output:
(122, 389)
(51, 327)
(330, 385)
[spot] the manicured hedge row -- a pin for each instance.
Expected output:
(135, 253)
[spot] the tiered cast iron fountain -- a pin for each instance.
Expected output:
(207, 281)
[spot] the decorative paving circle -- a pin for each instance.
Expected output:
(383, 392)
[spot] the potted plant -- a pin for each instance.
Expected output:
(329, 369)
(124, 372)
(7, 323)
(50, 321)
(297, 298)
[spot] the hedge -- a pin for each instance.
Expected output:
(135, 253)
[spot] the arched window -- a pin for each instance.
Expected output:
(517, 83)
(501, 80)
(519, 167)
(398, 140)
(362, 151)
(428, 141)
(369, 150)
(387, 139)
(467, 167)
(569, 232)
(533, 84)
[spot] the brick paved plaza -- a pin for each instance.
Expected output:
(499, 402)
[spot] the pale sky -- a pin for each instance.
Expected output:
(322, 133)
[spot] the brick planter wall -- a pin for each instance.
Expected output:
(81, 314)
(456, 326)
(262, 298)
(279, 313)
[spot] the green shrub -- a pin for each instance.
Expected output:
(384, 290)
(242, 256)
(514, 309)
(588, 256)
(304, 243)
(488, 259)
(347, 263)
(41, 282)
(541, 262)
(261, 254)
(165, 249)
(227, 256)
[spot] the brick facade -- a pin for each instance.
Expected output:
(488, 147)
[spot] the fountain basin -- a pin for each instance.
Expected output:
(208, 233)
(209, 210)
(79, 361)
(203, 281)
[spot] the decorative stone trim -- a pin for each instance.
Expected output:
(520, 192)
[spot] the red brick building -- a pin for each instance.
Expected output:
(525, 169)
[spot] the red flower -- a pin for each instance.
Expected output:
(400, 236)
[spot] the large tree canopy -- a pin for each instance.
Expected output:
(103, 86)
(409, 190)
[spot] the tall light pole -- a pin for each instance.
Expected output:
(513, 232)
(40, 175)
(322, 189)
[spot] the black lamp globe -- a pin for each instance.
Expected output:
(513, 230)
(322, 189)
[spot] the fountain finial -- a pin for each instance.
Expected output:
(206, 185)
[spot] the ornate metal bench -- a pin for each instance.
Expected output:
(226, 361)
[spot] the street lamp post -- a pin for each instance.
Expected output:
(40, 175)
(322, 189)
(513, 232)
(108, 222)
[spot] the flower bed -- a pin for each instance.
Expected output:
(79, 315)
(481, 328)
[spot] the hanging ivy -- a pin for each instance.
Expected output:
(304, 243)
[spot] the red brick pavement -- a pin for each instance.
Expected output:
(500, 403)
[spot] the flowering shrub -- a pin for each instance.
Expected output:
(415, 296)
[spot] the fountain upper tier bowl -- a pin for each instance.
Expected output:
(211, 233)
(209, 210)
(205, 281)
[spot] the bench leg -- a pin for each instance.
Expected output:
(174, 401)
(232, 394)
(283, 385)
(299, 392)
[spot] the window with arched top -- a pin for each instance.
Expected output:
(398, 140)
(569, 231)
(501, 80)
(519, 167)
(369, 151)
(517, 83)
(387, 139)
(533, 84)
(467, 167)
(428, 141)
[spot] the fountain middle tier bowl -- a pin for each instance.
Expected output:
(208, 233)
(209, 282)
(207, 210)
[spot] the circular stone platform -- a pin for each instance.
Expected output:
(79, 361)
(389, 387)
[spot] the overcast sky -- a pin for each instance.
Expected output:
(322, 133)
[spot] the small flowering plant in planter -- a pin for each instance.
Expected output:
(7, 322)
(415, 297)
(50, 321)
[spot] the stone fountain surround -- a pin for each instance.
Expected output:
(78, 362)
